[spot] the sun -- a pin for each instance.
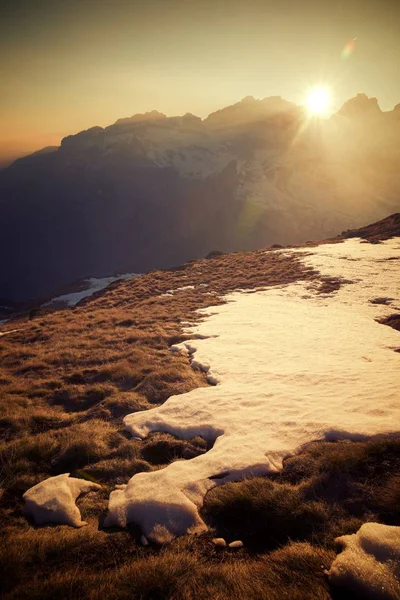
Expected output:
(318, 101)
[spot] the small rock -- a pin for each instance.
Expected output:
(144, 540)
(236, 544)
(219, 542)
(381, 300)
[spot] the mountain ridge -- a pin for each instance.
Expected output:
(154, 115)
(139, 195)
(263, 109)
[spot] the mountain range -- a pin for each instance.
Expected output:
(152, 191)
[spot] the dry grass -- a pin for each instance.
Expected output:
(181, 572)
(328, 490)
(392, 321)
(288, 526)
(67, 378)
(377, 232)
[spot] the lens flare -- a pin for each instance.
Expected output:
(349, 49)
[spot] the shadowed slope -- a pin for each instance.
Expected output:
(382, 230)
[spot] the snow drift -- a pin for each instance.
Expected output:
(53, 500)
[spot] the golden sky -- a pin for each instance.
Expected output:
(66, 65)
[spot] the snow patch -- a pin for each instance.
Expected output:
(370, 562)
(53, 500)
(179, 289)
(93, 285)
(8, 332)
(291, 366)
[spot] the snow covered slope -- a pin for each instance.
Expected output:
(291, 365)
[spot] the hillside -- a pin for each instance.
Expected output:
(69, 378)
(152, 191)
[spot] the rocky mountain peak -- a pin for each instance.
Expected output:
(360, 105)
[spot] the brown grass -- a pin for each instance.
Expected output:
(182, 572)
(377, 232)
(326, 491)
(392, 321)
(68, 378)
(288, 526)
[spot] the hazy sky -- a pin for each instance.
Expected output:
(66, 65)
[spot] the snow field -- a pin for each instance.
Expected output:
(290, 366)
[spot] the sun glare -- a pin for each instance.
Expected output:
(318, 101)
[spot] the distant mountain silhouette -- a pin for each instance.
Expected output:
(152, 191)
(34, 155)
(249, 110)
(360, 105)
